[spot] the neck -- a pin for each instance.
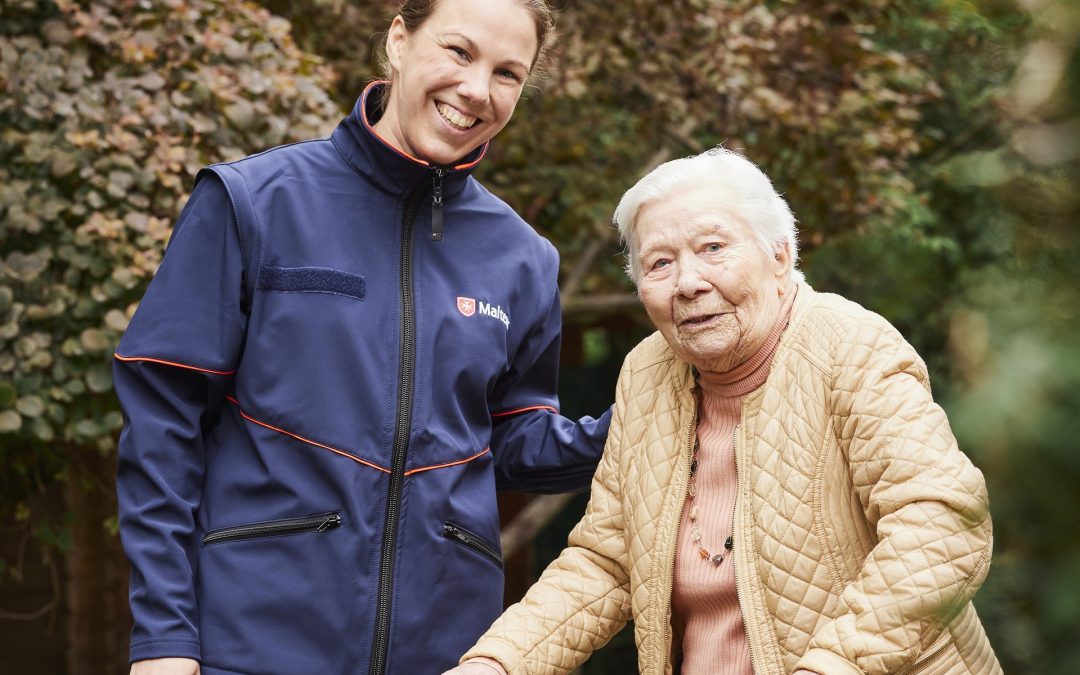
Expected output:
(750, 372)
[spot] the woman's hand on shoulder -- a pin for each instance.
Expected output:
(170, 666)
(478, 666)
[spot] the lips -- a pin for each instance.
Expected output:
(456, 119)
(699, 320)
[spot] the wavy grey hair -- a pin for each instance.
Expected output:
(747, 191)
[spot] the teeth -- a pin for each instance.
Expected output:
(454, 117)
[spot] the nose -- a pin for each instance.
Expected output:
(690, 281)
(475, 85)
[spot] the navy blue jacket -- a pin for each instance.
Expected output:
(321, 397)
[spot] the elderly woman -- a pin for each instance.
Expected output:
(779, 492)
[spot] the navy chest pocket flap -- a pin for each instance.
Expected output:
(311, 280)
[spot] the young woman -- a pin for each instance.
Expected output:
(349, 346)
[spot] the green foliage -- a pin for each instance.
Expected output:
(347, 35)
(1016, 389)
(803, 88)
(108, 109)
(908, 263)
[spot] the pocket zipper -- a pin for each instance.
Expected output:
(473, 542)
(318, 523)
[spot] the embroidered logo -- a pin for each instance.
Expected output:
(469, 307)
(466, 306)
(495, 312)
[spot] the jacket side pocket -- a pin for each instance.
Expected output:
(460, 535)
(321, 522)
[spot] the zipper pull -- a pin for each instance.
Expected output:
(436, 206)
(331, 521)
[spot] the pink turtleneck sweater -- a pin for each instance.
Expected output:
(704, 596)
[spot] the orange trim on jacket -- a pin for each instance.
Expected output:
(128, 359)
(317, 444)
(343, 453)
(443, 466)
(521, 410)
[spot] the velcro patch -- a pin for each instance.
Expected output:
(311, 280)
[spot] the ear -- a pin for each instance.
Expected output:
(396, 40)
(782, 261)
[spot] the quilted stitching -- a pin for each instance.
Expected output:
(861, 530)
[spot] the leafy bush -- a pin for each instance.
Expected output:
(108, 110)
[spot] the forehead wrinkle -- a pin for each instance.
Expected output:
(697, 201)
(694, 226)
(722, 221)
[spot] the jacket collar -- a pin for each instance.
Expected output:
(381, 163)
(803, 301)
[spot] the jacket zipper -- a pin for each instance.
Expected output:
(473, 542)
(318, 523)
(737, 549)
(675, 548)
(407, 364)
(437, 205)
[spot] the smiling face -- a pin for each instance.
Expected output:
(706, 283)
(457, 78)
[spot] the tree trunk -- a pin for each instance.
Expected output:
(98, 619)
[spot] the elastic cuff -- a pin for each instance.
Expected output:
(496, 650)
(494, 665)
(161, 648)
(825, 661)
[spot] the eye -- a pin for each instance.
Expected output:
(459, 52)
(713, 247)
(659, 264)
(508, 75)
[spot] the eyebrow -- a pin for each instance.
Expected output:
(473, 47)
(711, 224)
(652, 249)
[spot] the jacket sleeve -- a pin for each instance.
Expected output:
(534, 447)
(922, 498)
(172, 370)
(583, 597)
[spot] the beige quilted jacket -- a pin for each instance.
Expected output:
(861, 530)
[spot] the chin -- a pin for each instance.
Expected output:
(444, 156)
(448, 151)
(710, 358)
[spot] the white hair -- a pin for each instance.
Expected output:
(748, 193)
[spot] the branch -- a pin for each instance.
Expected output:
(43, 610)
(584, 264)
(607, 303)
(536, 514)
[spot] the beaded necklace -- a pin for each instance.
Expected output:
(695, 531)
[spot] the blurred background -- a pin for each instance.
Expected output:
(929, 148)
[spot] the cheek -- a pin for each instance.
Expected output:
(656, 306)
(741, 287)
(505, 104)
(747, 298)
